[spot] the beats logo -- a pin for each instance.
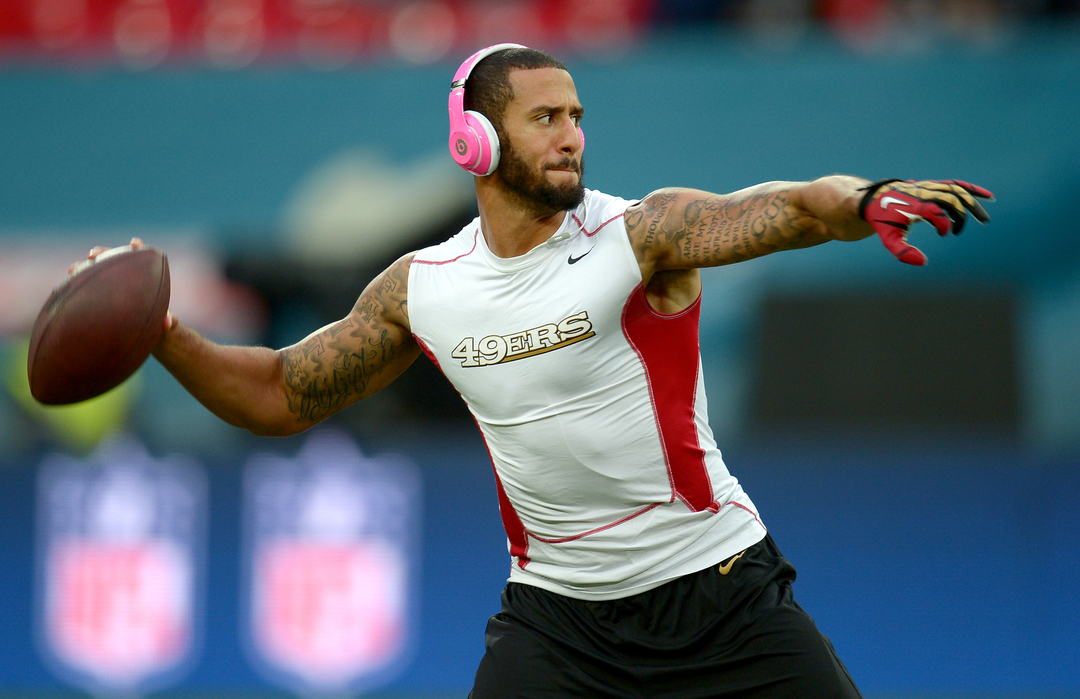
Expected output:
(461, 146)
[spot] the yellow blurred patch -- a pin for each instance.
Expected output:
(81, 426)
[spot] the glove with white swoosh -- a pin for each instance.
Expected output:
(891, 206)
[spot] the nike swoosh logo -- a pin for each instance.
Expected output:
(885, 201)
(725, 569)
(573, 259)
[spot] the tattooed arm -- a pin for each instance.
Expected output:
(286, 391)
(683, 229)
(355, 357)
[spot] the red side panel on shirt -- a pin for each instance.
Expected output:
(516, 533)
(669, 350)
(515, 529)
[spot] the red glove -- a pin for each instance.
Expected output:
(891, 206)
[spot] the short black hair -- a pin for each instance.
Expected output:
(488, 88)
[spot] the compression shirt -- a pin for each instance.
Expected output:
(591, 404)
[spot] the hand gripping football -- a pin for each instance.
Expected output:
(99, 325)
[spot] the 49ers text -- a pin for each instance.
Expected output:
(498, 349)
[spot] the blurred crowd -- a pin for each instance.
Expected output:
(870, 24)
(839, 13)
(336, 33)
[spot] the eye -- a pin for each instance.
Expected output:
(545, 119)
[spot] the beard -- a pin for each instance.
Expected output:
(534, 189)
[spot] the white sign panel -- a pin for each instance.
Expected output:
(330, 539)
(121, 539)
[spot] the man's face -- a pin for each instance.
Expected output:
(541, 155)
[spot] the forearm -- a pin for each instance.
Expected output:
(678, 228)
(778, 216)
(241, 385)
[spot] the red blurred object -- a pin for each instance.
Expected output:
(331, 33)
(857, 22)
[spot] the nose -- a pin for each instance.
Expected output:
(569, 138)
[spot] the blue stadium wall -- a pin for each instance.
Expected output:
(934, 571)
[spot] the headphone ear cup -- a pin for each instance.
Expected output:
(582, 134)
(488, 141)
(464, 145)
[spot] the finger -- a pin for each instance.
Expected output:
(949, 201)
(977, 210)
(972, 204)
(969, 202)
(171, 321)
(955, 212)
(968, 193)
(964, 193)
(933, 214)
(894, 237)
(95, 251)
(952, 185)
(136, 243)
(976, 190)
(958, 221)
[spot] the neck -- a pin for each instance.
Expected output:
(512, 227)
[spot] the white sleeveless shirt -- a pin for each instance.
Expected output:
(592, 406)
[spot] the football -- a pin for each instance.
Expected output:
(99, 325)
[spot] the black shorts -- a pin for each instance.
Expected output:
(702, 635)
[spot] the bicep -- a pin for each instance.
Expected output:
(686, 228)
(354, 357)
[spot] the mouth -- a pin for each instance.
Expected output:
(565, 166)
(566, 170)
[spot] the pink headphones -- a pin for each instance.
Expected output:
(474, 144)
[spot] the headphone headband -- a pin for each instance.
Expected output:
(466, 67)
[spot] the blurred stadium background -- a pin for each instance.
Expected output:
(911, 436)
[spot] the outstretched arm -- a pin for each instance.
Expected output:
(679, 229)
(286, 391)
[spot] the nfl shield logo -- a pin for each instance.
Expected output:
(121, 537)
(329, 545)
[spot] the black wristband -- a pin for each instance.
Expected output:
(871, 189)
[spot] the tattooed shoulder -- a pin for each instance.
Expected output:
(357, 355)
(645, 220)
(388, 294)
